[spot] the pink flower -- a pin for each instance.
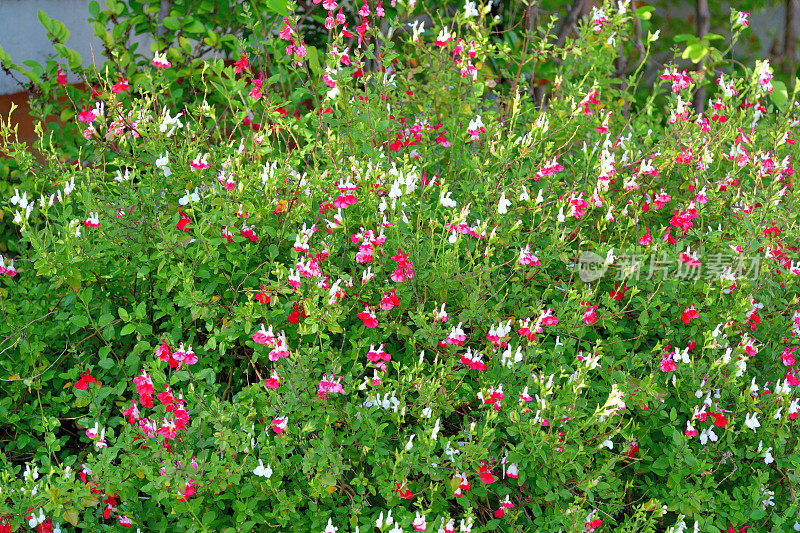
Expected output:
(92, 221)
(121, 86)
(329, 386)
(788, 356)
(647, 238)
(527, 258)
(273, 382)
(369, 318)
(160, 61)
(286, 30)
(93, 432)
(132, 413)
(200, 162)
(281, 348)
(456, 336)
(419, 523)
(668, 364)
(144, 384)
(61, 77)
(389, 301)
(264, 336)
(512, 471)
(443, 38)
(87, 116)
(279, 424)
(589, 316)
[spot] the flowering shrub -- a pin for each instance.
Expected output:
(355, 288)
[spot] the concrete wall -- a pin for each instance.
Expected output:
(24, 37)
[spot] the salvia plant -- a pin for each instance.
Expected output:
(375, 286)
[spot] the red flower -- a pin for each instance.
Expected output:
(689, 313)
(486, 474)
(294, 317)
(183, 223)
(86, 378)
(189, 490)
(262, 297)
(720, 420)
(618, 294)
(633, 450)
(405, 494)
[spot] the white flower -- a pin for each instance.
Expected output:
(503, 204)
(36, 521)
(410, 443)
(162, 163)
(417, 27)
(436, 428)
(470, 10)
(380, 522)
(768, 459)
(262, 471)
(608, 443)
(189, 197)
(446, 201)
(751, 422)
(330, 528)
(120, 178)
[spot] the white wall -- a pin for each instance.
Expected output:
(23, 36)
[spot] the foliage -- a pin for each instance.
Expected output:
(316, 288)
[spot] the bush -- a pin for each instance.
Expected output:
(377, 286)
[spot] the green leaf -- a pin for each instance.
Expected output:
(94, 10)
(123, 314)
(74, 280)
(696, 52)
(193, 26)
(5, 58)
(46, 21)
(127, 330)
(279, 6)
(106, 363)
(171, 23)
(780, 94)
(79, 320)
(313, 59)
(684, 37)
(645, 12)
